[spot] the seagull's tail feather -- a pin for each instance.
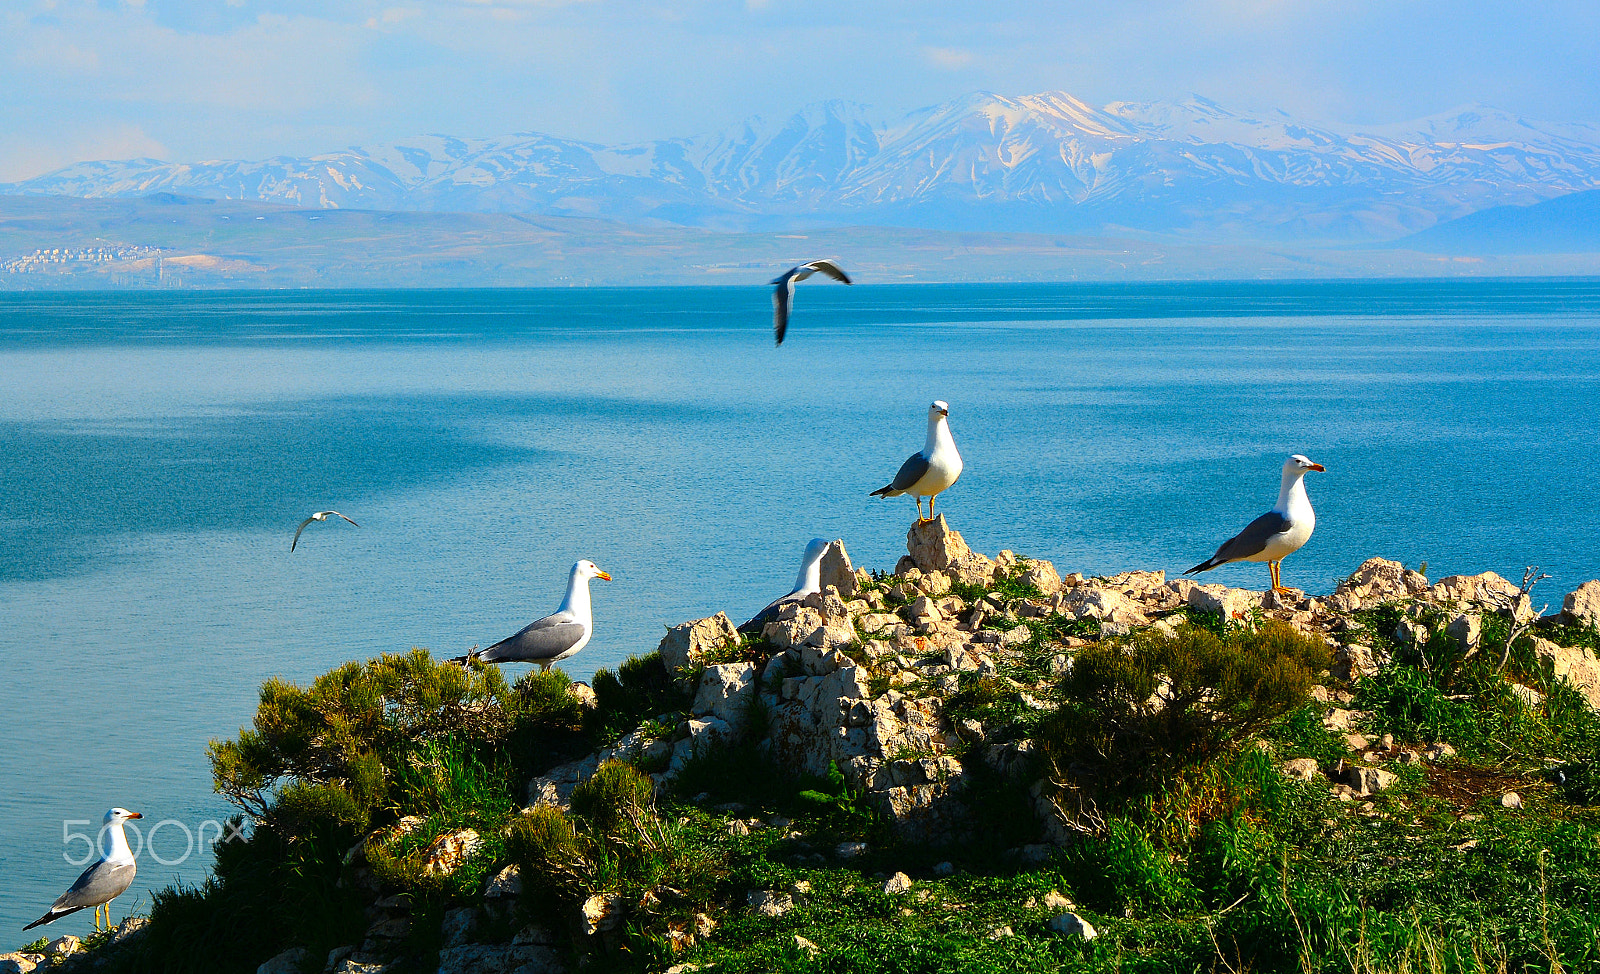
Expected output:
(1204, 566)
(53, 916)
(472, 654)
(887, 490)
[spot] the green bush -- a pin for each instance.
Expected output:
(1134, 716)
(614, 799)
(550, 857)
(640, 688)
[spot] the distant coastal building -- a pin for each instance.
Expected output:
(41, 260)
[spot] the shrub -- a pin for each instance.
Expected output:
(550, 856)
(614, 799)
(640, 688)
(1133, 716)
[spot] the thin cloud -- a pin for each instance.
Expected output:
(948, 58)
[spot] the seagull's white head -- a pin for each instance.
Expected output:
(588, 569)
(120, 815)
(814, 549)
(1301, 465)
(938, 409)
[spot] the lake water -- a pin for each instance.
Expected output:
(160, 448)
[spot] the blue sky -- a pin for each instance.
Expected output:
(205, 79)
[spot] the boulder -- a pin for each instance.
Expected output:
(1379, 580)
(837, 571)
(769, 903)
(726, 691)
(795, 624)
(1582, 605)
(506, 882)
(20, 963)
(460, 925)
(1466, 628)
(1072, 925)
(449, 851)
(584, 694)
(500, 959)
(898, 883)
(1368, 781)
(1511, 800)
(1233, 603)
(555, 786)
(1354, 662)
(933, 546)
(1301, 769)
(1108, 605)
(1485, 592)
(64, 946)
(602, 911)
(1575, 664)
(688, 645)
(1042, 576)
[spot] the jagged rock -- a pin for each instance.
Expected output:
(726, 691)
(1353, 662)
(601, 912)
(1582, 605)
(1054, 901)
(638, 747)
(555, 786)
(1233, 603)
(704, 733)
(1467, 629)
(506, 882)
(337, 956)
(769, 903)
(1379, 580)
(1042, 576)
(932, 546)
(1302, 769)
(20, 963)
(837, 571)
(1575, 664)
(1438, 752)
(1073, 925)
(291, 961)
(499, 959)
(1367, 781)
(1531, 698)
(64, 946)
(794, 625)
(1104, 604)
(460, 925)
(898, 883)
(360, 963)
(446, 854)
(1485, 592)
(584, 694)
(688, 645)
(1138, 585)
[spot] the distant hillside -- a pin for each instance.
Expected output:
(1046, 163)
(1565, 225)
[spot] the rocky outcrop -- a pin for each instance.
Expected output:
(1581, 607)
(689, 645)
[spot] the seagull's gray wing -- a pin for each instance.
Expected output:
(297, 531)
(831, 269)
(910, 472)
(538, 641)
(759, 621)
(100, 883)
(347, 519)
(1251, 541)
(782, 294)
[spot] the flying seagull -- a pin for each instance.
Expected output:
(927, 473)
(1277, 533)
(102, 882)
(319, 516)
(783, 294)
(808, 582)
(556, 636)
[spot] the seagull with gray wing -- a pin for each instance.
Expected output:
(1279, 532)
(783, 293)
(556, 636)
(319, 516)
(934, 469)
(102, 882)
(808, 582)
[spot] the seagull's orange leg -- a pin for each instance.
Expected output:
(931, 499)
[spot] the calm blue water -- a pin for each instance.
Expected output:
(159, 450)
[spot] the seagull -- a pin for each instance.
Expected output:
(102, 882)
(1277, 533)
(783, 294)
(319, 516)
(927, 473)
(808, 582)
(556, 636)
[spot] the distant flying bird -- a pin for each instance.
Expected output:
(808, 582)
(319, 516)
(934, 469)
(1277, 533)
(783, 293)
(102, 882)
(556, 636)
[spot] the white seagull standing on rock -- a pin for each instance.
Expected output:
(783, 293)
(927, 473)
(556, 636)
(808, 582)
(102, 882)
(1277, 533)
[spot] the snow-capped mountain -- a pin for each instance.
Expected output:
(1041, 162)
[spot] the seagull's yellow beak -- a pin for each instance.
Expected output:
(1318, 466)
(603, 575)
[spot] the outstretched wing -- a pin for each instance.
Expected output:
(829, 268)
(297, 531)
(782, 294)
(542, 640)
(347, 519)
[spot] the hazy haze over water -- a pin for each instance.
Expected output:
(161, 448)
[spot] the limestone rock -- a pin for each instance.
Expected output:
(506, 882)
(837, 571)
(1511, 800)
(898, 883)
(499, 959)
(449, 851)
(1108, 605)
(794, 625)
(726, 691)
(1054, 901)
(1072, 925)
(1438, 752)
(769, 903)
(1379, 580)
(1582, 605)
(64, 946)
(687, 646)
(289, 962)
(1485, 592)
(1368, 781)
(1354, 662)
(601, 912)
(459, 925)
(1042, 576)
(20, 963)
(555, 786)
(1467, 629)
(1302, 769)
(933, 546)
(1233, 603)
(1575, 664)
(584, 694)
